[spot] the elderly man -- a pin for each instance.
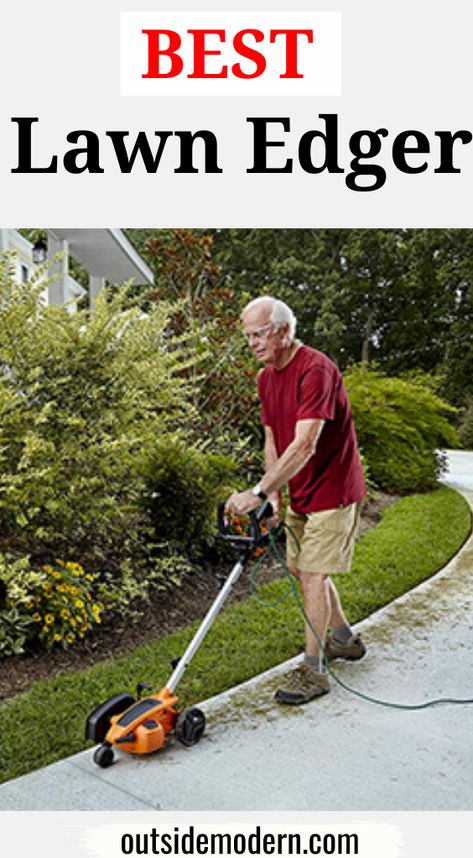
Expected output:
(310, 443)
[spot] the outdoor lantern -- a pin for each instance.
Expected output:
(40, 250)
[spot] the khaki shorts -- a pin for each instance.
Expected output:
(326, 539)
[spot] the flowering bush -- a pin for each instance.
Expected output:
(59, 601)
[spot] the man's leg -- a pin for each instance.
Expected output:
(310, 680)
(343, 643)
(337, 616)
(317, 604)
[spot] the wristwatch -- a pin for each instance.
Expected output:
(258, 492)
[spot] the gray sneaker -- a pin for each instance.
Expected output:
(304, 683)
(352, 650)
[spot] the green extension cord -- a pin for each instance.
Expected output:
(293, 591)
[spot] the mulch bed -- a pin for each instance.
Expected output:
(167, 612)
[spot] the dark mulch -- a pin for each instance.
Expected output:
(167, 612)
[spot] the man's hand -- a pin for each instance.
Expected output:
(241, 502)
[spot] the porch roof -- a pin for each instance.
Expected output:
(106, 253)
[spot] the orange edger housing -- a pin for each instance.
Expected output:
(141, 726)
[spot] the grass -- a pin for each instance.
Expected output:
(414, 539)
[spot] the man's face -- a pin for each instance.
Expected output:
(265, 342)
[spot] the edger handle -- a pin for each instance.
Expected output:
(254, 535)
(264, 511)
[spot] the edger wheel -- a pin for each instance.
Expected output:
(104, 756)
(190, 726)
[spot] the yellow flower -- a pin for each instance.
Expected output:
(65, 613)
(69, 637)
(48, 569)
(61, 588)
(45, 629)
(79, 603)
(74, 591)
(57, 575)
(76, 573)
(29, 604)
(57, 637)
(49, 619)
(37, 617)
(72, 622)
(89, 577)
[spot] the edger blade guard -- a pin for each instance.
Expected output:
(99, 721)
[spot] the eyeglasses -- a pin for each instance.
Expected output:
(259, 334)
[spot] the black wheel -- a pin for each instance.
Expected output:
(104, 756)
(190, 726)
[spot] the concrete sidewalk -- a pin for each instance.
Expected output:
(336, 753)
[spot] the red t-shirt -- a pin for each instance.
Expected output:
(311, 387)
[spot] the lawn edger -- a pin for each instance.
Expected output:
(140, 726)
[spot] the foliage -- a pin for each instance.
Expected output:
(398, 297)
(58, 601)
(183, 486)
(369, 482)
(245, 640)
(79, 394)
(400, 425)
(15, 627)
(465, 429)
(208, 312)
(83, 397)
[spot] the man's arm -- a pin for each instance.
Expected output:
(270, 459)
(294, 457)
(283, 468)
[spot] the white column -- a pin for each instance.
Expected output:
(59, 270)
(4, 239)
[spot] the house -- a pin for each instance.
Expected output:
(105, 254)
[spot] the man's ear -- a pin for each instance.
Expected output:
(285, 331)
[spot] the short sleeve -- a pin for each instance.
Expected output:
(317, 394)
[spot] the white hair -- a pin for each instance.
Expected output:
(281, 315)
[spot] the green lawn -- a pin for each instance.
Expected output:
(414, 539)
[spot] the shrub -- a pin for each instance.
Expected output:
(369, 482)
(183, 486)
(80, 394)
(400, 425)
